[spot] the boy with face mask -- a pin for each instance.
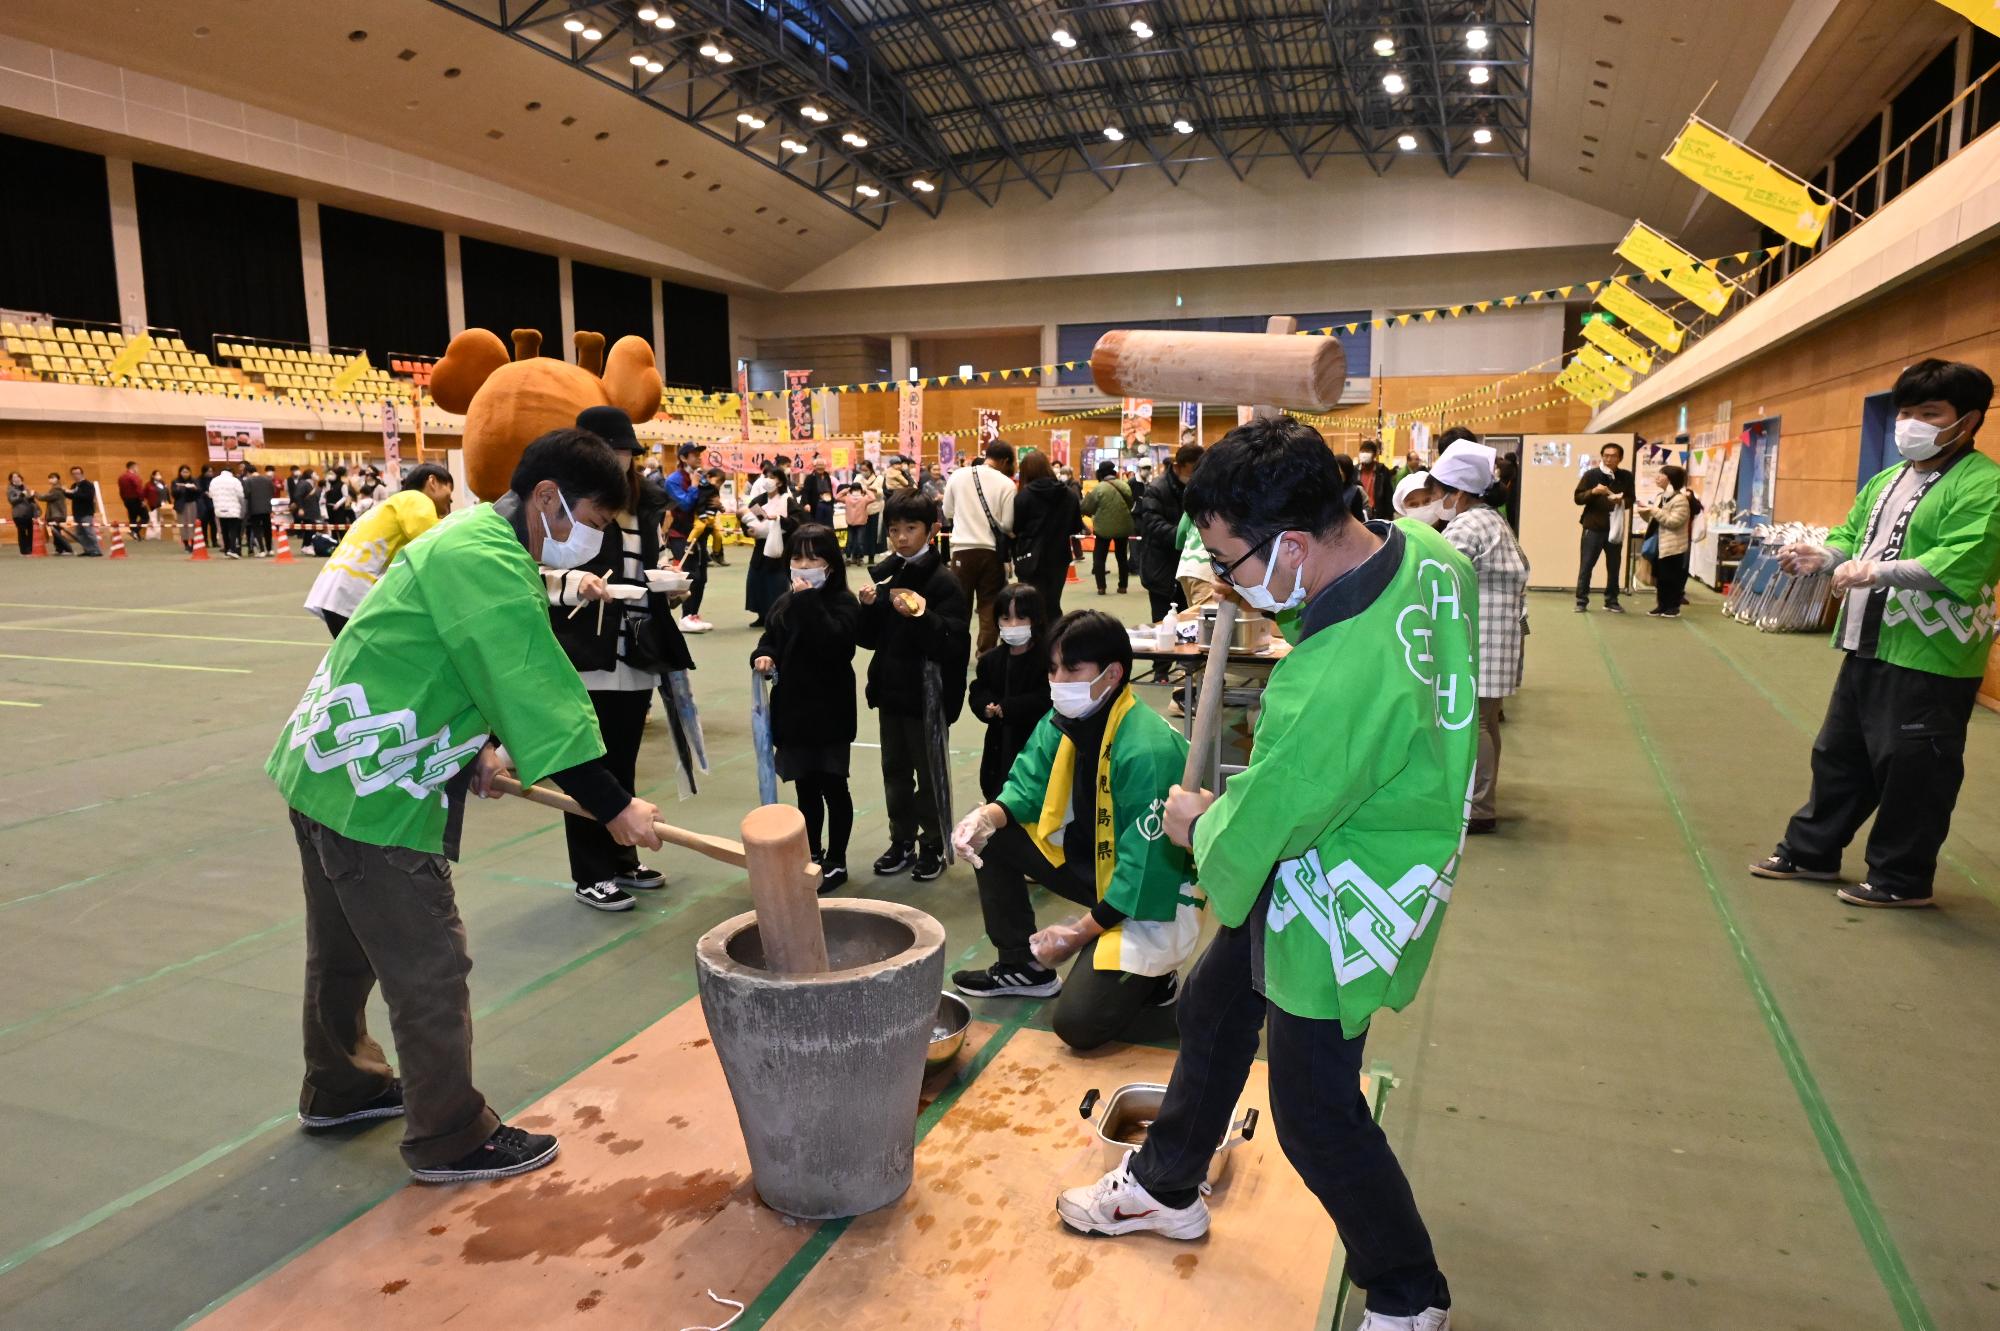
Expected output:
(1914, 566)
(1080, 814)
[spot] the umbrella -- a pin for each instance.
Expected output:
(760, 742)
(937, 742)
(684, 719)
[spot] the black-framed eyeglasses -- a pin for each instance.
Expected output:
(1226, 571)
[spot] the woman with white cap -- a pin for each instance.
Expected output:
(1468, 498)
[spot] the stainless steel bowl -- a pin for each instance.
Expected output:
(947, 1032)
(1251, 633)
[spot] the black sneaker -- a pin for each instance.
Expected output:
(832, 877)
(1482, 826)
(507, 1152)
(897, 858)
(389, 1104)
(1614, 609)
(1865, 894)
(930, 865)
(1582, 609)
(1003, 980)
(1167, 992)
(604, 896)
(1779, 865)
(642, 879)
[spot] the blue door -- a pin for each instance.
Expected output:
(1878, 437)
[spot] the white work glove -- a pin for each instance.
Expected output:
(971, 835)
(1806, 557)
(1855, 573)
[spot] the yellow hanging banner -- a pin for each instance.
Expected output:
(1659, 257)
(1606, 368)
(1581, 384)
(1619, 345)
(1752, 183)
(137, 349)
(1986, 13)
(1641, 314)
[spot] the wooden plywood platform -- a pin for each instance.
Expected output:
(976, 1242)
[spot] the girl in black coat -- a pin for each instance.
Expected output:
(808, 643)
(1046, 516)
(1010, 685)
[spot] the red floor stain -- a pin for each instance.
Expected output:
(924, 1222)
(702, 1043)
(554, 1219)
(677, 1121)
(1063, 1276)
(395, 1287)
(536, 1122)
(625, 1147)
(610, 1135)
(633, 1259)
(587, 1116)
(590, 1300)
(438, 1229)
(624, 1058)
(1185, 1264)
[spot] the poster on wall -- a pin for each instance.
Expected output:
(871, 447)
(392, 442)
(842, 457)
(1135, 420)
(1550, 453)
(1059, 447)
(798, 405)
(228, 439)
(947, 452)
(1190, 423)
(743, 398)
(989, 427)
(1725, 479)
(910, 420)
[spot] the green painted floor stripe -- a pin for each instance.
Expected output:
(1779, 706)
(793, 1273)
(1333, 1297)
(1873, 1229)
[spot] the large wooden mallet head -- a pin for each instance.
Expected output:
(1302, 373)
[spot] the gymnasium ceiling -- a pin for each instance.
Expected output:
(974, 98)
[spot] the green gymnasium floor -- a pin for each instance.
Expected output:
(1639, 1090)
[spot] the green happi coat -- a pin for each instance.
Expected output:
(1353, 807)
(1955, 535)
(1137, 870)
(452, 645)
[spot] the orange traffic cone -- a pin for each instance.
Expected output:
(117, 550)
(41, 546)
(284, 555)
(1072, 574)
(200, 550)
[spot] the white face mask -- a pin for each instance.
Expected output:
(811, 577)
(1016, 635)
(1260, 598)
(1919, 440)
(1433, 512)
(574, 550)
(1074, 700)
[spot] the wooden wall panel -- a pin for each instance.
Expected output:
(36, 448)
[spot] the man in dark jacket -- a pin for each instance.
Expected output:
(82, 494)
(1377, 482)
(1157, 514)
(259, 489)
(914, 615)
(1606, 496)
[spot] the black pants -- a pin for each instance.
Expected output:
(335, 622)
(135, 517)
(906, 783)
(1892, 744)
(58, 543)
(1097, 1006)
(982, 575)
(1050, 583)
(232, 535)
(621, 720)
(1670, 582)
(258, 528)
(1594, 544)
(1322, 1119)
(24, 531)
(1119, 545)
(695, 564)
(826, 801)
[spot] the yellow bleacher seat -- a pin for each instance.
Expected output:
(117, 339)
(176, 344)
(65, 335)
(97, 336)
(8, 328)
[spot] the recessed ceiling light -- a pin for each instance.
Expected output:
(1113, 133)
(1183, 127)
(723, 57)
(638, 58)
(1479, 74)
(922, 186)
(647, 13)
(1385, 45)
(1407, 142)
(572, 25)
(1482, 136)
(1392, 82)
(1475, 39)
(592, 34)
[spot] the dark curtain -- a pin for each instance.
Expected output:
(55, 232)
(220, 259)
(612, 303)
(697, 338)
(506, 288)
(384, 285)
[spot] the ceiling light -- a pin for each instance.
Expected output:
(868, 191)
(1479, 74)
(1392, 82)
(746, 118)
(1183, 127)
(1141, 30)
(638, 58)
(572, 25)
(922, 186)
(798, 147)
(1385, 45)
(1407, 142)
(814, 114)
(709, 49)
(655, 67)
(1113, 133)
(1475, 39)
(647, 13)
(1061, 37)
(1482, 136)
(664, 22)
(592, 34)
(723, 57)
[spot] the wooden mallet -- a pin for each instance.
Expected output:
(1208, 713)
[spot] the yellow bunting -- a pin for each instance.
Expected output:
(1748, 181)
(1642, 315)
(1985, 13)
(1676, 267)
(1606, 368)
(1624, 348)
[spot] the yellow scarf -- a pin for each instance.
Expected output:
(1047, 831)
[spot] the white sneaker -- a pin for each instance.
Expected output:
(695, 624)
(1116, 1204)
(1430, 1319)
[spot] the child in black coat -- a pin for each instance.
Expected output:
(1010, 685)
(808, 644)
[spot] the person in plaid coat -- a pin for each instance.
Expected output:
(1468, 497)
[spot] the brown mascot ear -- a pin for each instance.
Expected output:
(472, 356)
(631, 380)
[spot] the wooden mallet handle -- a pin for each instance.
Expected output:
(715, 847)
(1208, 713)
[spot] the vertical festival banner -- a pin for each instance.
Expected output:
(871, 447)
(989, 427)
(1059, 447)
(910, 420)
(392, 442)
(1190, 423)
(798, 405)
(1135, 421)
(743, 398)
(947, 452)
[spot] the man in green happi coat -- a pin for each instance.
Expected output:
(449, 655)
(1330, 859)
